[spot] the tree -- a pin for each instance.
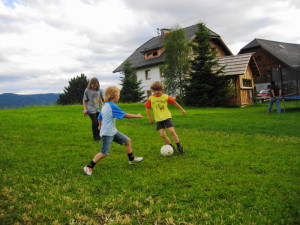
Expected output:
(205, 86)
(176, 62)
(131, 90)
(74, 92)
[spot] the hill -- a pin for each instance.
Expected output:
(10, 100)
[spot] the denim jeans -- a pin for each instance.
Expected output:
(277, 102)
(119, 138)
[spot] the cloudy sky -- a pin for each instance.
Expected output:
(43, 44)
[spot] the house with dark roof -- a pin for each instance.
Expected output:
(277, 61)
(148, 58)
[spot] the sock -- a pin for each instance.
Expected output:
(91, 164)
(130, 156)
(178, 144)
(172, 146)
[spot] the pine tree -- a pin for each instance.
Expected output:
(205, 86)
(176, 62)
(73, 94)
(131, 88)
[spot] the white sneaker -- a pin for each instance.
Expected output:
(87, 170)
(136, 160)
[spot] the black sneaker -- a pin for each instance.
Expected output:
(180, 149)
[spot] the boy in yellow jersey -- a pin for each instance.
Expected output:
(162, 115)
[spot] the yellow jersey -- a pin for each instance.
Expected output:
(160, 106)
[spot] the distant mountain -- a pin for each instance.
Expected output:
(9, 100)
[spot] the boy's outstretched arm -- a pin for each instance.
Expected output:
(131, 116)
(148, 111)
(179, 107)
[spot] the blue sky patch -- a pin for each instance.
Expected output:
(10, 3)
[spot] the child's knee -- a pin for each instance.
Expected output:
(128, 142)
(162, 134)
(172, 132)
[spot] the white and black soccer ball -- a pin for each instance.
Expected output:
(166, 150)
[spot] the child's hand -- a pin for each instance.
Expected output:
(151, 120)
(183, 112)
(139, 115)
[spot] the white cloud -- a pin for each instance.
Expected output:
(46, 43)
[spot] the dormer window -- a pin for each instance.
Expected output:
(152, 54)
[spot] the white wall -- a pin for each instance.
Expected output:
(154, 76)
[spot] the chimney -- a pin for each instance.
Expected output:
(164, 32)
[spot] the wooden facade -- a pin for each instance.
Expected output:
(242, 69)
(277, 61)
(265, 62)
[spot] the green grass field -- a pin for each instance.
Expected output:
(241, 167)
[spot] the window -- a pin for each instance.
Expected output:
(284, 72)
(247, 83)
(147, 75)
(152, 54)
(161, 72)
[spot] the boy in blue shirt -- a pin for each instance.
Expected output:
(108, 131)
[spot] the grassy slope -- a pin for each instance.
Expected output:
(241, 167)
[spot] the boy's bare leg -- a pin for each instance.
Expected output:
(164, 136)
(98, 157)
(128, 147)
(173, 134)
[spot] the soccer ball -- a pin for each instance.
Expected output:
(166, 150)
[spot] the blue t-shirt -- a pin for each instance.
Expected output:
(108, 115)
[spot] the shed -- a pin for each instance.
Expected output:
(242, 68)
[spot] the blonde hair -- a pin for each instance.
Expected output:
(94, 81)
(157, 86)
(111, 93)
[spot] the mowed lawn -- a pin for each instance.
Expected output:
(241, 166)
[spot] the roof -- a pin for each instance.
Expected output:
(287, 53)
(137, 57)
(237, 64)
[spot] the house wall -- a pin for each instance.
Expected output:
(155, 71)
(155, 75)
(219, 50)
(265, 62)
(243, 94)
(247, 93)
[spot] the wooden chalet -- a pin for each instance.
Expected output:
(277, 61)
